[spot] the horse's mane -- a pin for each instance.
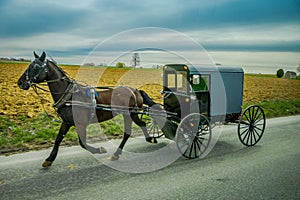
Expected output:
(59, 68)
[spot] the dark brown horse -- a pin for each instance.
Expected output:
(77, 104)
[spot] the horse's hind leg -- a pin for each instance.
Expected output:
(81, 131)
(64, 128)
(142, 125)
(127, 133)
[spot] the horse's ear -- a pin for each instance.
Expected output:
(35, 55)
(43, 56)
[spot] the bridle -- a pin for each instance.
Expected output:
(43, 67)
(40, 66)
(66, 95)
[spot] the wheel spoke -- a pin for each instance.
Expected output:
(245, 135)
(258, 128)
(150, 128)
(202, 143)
(258, 117)
(248, 136)
(251, 138)
(244, 132)
(184, 153)
(245, 123)
(244, 127)
(259, 124)
(198, 145)
(191, 149)
(257, 135)
(254, 137)
(247, 118)
(195, 148)
(254, 116)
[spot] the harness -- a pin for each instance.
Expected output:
(132, 93)
(65, 98)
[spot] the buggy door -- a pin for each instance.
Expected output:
(176, 88)
(201, 87)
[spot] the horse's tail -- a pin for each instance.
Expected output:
(146, 99)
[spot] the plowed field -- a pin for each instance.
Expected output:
(15, 101)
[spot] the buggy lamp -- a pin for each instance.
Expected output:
(187, 100)
(185, 67)
(193, 97)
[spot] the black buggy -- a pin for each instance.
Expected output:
(196, 98)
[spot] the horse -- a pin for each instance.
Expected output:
(65, 91)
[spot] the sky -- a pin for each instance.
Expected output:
(232, 32)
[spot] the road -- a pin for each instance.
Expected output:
(269, 170)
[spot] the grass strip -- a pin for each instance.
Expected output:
(23, 134)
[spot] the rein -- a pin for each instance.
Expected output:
(36, 85)
(41, 100)
(65, 95)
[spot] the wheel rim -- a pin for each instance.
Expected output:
(251, 125)
(193, 135)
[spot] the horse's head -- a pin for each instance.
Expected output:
(35, 73)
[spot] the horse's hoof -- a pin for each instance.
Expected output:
(47, 163)
(114, 157)
(102, 150)
(151, 140)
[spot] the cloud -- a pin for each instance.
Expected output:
(69, 28)
(26, 18)
(283, 37)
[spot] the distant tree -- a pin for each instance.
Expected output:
(120, 65)
(89, 64)
(136, 60)
(280, 73)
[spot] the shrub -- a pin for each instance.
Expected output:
(120, 65)
(280, 73)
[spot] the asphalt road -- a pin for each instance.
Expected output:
(269, 170)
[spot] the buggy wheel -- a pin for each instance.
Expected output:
(193, 135)
(152, 127)
(251, 125)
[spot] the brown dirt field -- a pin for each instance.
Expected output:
(15, 101)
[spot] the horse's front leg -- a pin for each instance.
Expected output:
(64, 128)
(142, 125)
(81, 131)
(127, 133)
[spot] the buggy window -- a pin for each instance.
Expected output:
(200, 82)
(182, 81)
(177, 80)
(171, 81)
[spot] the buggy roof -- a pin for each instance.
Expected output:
(198, 69)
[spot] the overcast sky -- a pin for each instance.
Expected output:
(230, 30)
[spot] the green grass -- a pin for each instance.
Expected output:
(28, 133)
(23, 133)
(278, 108)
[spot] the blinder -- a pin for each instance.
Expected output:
(35, 71)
